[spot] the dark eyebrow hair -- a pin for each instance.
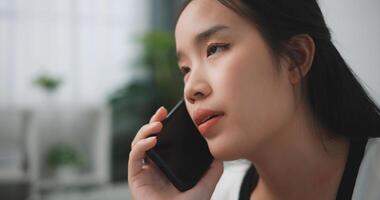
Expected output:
(205, 35)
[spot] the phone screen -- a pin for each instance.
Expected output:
(181, 152)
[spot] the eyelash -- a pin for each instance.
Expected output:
(224, 46)
(185, 70)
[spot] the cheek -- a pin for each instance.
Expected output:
(249, 78)
(258, 98)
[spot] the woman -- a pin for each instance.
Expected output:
(288, 103)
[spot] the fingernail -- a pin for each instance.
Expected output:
(150, 139)
(159, 109)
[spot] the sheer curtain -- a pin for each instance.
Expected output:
(89, 44)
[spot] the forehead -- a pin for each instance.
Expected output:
(200, 15)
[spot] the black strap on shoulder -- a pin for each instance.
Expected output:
(355, 157)
(248, 184)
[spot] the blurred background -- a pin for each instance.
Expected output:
(79, 77)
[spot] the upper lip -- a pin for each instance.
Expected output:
(202, 115)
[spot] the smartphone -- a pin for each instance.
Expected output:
(181, 152)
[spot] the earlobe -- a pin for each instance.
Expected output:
(300, 49)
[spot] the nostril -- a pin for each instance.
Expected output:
(198, 94)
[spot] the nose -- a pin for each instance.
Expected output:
(197, 87)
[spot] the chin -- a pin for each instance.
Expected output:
(225, 152)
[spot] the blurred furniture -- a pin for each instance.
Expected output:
(27, 136)
(85, 128)
(13, 166)
(13, 124)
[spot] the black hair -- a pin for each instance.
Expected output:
(335, 96)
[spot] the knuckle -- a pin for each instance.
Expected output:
(144, 127)
(138, 146)
(131, 153)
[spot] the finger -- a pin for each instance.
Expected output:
(156, 113)
(159, 115)
(137, 154)
(147, 130)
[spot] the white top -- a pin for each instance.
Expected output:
(367, 185)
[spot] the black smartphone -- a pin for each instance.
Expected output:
(181, 152)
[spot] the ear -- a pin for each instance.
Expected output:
(300, 50)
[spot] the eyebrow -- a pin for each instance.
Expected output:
(204, 36)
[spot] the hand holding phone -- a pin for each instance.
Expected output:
(148, 181)
(181, 152)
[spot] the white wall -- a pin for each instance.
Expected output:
(355, 26)
(89, 43)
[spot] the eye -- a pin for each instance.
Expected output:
(184, 70)
(215, 48)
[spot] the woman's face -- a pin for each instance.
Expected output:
(230, 70)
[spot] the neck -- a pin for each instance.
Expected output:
(302, 163)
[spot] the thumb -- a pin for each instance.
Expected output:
(212, 176)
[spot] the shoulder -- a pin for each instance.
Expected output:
(229, 184)
(368, 180)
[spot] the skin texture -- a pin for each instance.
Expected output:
(266, 116)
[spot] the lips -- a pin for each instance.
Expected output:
(202, 116)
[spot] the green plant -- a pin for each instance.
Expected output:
(135, 102)
(47, 82)
(63, 155)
